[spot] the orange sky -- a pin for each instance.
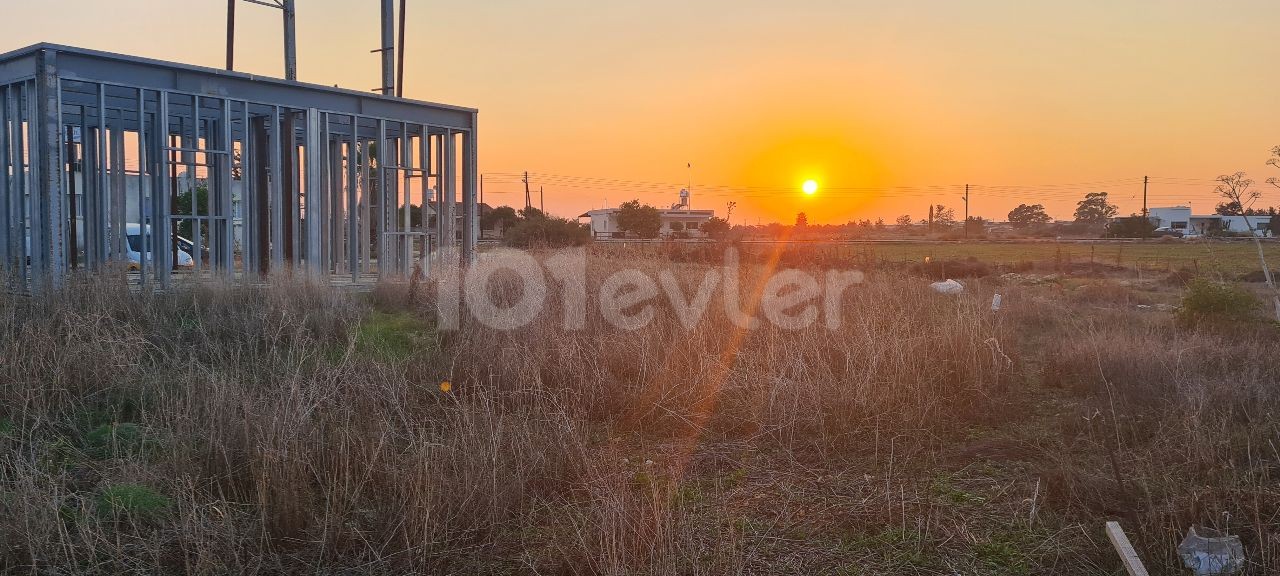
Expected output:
(890, 106)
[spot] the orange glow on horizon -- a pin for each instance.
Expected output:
(889, 107)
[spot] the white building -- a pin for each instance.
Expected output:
(1180, 219)
(679, 220)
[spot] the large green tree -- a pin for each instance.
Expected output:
(716, 227)
(1095, 208)
(502, 217)
(1029, 215)
(642, 220)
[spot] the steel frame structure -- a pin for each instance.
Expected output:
(324, 180)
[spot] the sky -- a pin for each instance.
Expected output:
(889, 106)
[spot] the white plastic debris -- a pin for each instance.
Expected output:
(1208, 552)
(995, 303)
(948, 286)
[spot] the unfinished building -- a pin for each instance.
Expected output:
(172, 171)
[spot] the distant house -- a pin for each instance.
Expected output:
(1180, 219)
(678, 218)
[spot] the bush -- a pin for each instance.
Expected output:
(135, 501)
(1131, 227)
(1209, 302)
(546, 232)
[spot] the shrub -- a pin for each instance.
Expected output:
(1131, 227)
(117, 440)
(1209, 302)
(135, 501)
(547, 232)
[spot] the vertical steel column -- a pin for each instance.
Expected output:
(439, 192)
(47, 130)
(19, 237)
(6, 191)
(424, 161)
(381, 181)
(163, 219)
(146, 251)
(337, 199)
(118, 192)
(406, 173)
(5, 242)
(470, 210)
(353, 190)
(102, 186)
(450, 188)
(248, 196)
(315, 194)
(259, 153)
(324, 192)
(189, 161)
(88, 187)
(295, 176)
(226, 231)
(366, 184)
(277, 191)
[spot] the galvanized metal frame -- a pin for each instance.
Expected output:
(307, 189)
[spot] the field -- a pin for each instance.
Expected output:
(1228, 258)
(295, 429)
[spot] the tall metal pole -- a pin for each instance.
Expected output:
(400, 54)
(290, 43)
(388, 48)
(231, 34)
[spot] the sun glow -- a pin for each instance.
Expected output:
(810, 186)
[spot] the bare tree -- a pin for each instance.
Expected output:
(1238, 189)
(1274, 161)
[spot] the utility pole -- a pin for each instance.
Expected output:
(400, 55)
(388, 49)
(527, 203)
(290, 43)
(542, 203)
(966, 210)
(231, 34)
(1145, 179)
(482, 188)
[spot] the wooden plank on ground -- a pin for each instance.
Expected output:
(1128, 556)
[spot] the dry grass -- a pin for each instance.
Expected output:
(290, 429)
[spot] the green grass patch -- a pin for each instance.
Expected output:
(135, 501)
(944, 488)
(117, 440)
(391, 337)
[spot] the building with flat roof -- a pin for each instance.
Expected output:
(1181, 219)
(677, 221)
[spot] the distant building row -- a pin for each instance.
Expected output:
(1180, 219)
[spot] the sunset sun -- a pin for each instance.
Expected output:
(810, 186)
